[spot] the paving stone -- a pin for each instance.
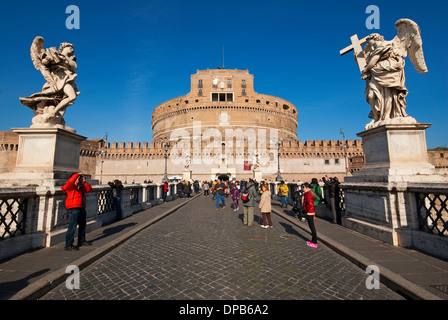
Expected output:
(198, 253)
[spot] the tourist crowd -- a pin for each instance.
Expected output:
(245, 193)
(305, 199)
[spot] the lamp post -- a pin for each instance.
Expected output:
(279, 176)
(166, 145)
(344, 146)
(103, 153)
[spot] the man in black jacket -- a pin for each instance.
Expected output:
(335, 197)
(116, 186)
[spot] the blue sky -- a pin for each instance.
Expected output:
(135, 54)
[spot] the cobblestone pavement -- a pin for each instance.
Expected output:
(200, 253)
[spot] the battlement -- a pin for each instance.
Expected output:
(285, 144)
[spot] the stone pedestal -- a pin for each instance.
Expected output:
(46, 157)
(186, 175)
(395, 152)
(395, 155)
(258, 175)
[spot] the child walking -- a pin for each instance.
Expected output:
(235, 196)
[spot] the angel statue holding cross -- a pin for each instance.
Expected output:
(382, 66)
(58, 69)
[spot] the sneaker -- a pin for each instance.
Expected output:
(71, 248)
(310, 244)
(85, 243)
(264, 227)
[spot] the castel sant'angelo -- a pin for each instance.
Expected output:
(221, 127)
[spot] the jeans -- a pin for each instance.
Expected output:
(77, 216)
(248, 216)
(220, 197)
(310, 219)
(117, 205)
(284, 200)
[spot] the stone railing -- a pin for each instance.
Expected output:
(411, 215)
(33, 217)
(416, 214)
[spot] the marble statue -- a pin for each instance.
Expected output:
(382, 66)
(187, 161)
(58, 69)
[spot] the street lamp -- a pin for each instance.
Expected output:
(166, 145)
(103, 153)
(279, 176)
(345, 147)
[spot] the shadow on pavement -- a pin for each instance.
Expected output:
(8, 289)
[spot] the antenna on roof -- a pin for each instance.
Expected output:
(223, 57)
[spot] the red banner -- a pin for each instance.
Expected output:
(247, 166)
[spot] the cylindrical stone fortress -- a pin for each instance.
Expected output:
(225, 99)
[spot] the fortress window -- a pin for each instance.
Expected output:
(243, 83)
(327, 161)
(200, 83)
(258, 101)
(229, 83)
(285, 107)
(267, 103)
(200, 93)
(244, 93)
(222, 96)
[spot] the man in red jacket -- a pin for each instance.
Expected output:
(76, 188)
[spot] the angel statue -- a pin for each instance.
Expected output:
(382, 66)
(58, 68)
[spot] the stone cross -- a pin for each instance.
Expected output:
(359, 54)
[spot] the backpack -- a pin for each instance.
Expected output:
(245, 195)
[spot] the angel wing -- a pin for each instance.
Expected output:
(409, 43)
(38, 53)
